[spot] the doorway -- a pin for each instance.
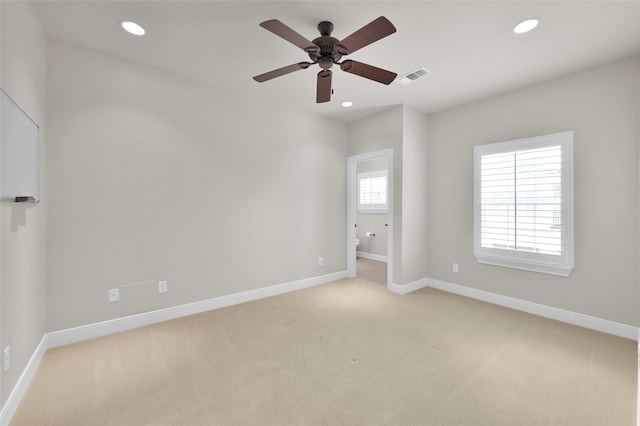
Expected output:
(370, 216)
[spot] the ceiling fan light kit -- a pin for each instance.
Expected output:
(327, 51)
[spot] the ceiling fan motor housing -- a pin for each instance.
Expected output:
(328, 55)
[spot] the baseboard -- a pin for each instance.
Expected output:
(78, 334)
(21, 386)
(582, 320)
(403, 289)
(372, 256)
(63, 337)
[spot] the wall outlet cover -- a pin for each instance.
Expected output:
(114, 295)
(163, 287)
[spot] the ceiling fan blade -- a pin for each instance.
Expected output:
(281, 71)
(280, 29)
(372, 32)
(368, 71)
(324, 86)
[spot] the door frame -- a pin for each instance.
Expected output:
(352, 162)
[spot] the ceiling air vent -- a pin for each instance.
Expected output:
(413, 76)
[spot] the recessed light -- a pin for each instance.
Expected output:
(525, 26)
(347, 104)
(132, 28)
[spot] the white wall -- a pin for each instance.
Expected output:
(23, 226)
(602, 106)
(153, 177)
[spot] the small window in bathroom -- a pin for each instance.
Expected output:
(372, 192)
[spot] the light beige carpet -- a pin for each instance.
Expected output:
(345, 353)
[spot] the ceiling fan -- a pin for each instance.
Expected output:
(327, 51)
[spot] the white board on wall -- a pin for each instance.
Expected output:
(18, 153)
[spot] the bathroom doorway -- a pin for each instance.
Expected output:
(370, 216)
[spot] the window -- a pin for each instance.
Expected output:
(523, 210)
(372, 191)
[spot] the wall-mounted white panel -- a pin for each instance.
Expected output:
(18, 153)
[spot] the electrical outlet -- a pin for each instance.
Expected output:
(320, 261)
(114, 295)
(455, 267)
(163, 287)
(6, 359)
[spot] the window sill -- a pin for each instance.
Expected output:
(526, 265)
(372, 211)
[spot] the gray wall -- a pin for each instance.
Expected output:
(23, 227)
(601, 106)
(374, 133)
(415, 184)
(405, 131)
(146, 176)
(156, 178)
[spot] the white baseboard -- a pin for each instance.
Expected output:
(582, 320)
(21, 386)
(403, 289)
(372, 256)
(77, 334)
(64, 337)
(85, 332)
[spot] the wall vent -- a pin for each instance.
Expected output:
(413, 76)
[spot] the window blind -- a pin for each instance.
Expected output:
(521, 200)
(373, 190)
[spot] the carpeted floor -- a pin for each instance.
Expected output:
(344, 353)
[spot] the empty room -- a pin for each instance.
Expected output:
(319, 213)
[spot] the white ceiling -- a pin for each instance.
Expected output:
(468, 45)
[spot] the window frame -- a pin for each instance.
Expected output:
(545, 263)
(373, 208)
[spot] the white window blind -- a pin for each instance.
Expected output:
(524, 202)
(372, 190)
